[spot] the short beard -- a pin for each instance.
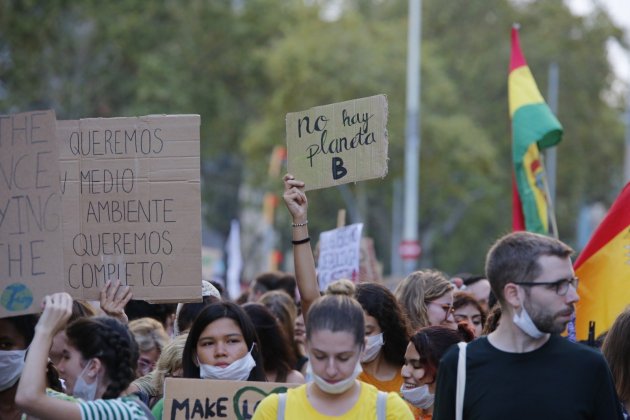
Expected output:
(545, 323)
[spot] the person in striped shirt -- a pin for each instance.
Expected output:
(98, 363)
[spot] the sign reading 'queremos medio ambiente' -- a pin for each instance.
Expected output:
(338, 143)
(131, 205)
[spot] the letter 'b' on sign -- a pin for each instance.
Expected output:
(338, 171)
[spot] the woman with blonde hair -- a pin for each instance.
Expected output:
(427, 297)
(150, 388)
(151, 338)
(341, 287)
(335, 337)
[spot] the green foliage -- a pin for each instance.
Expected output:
(242, 65)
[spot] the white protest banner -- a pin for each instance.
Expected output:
(339, 254)
(338, 143)
(205, 398)
(132, 205)
(31, 257)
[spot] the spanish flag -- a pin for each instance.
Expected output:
(603, 268)
(534, 127)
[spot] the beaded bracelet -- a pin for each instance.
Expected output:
(299, 224)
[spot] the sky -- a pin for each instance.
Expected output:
(619, 10)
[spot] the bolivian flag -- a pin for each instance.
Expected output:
(603, 268)
(534, 127)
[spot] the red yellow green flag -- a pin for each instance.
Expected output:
(534, 127)
(603, 268)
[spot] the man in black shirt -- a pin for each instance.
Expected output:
(524, 370)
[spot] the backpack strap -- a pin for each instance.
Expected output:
(461, 381)
(282, 405)
(381, 405)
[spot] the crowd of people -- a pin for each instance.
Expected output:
(471, 346)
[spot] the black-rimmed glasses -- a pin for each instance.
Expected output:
(561, 286)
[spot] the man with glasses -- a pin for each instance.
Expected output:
(525, 369)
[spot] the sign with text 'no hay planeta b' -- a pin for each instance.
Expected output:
(338, 143)
(131, 205)
(30, 212)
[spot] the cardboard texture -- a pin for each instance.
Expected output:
(339, 254)
(30, 212)
(338, 143)
(369, 270)
(132, 205)
(204, 398)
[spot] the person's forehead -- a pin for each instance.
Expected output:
(9, 332)
(332, 342)
(554, 268)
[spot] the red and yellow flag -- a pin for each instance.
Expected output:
(534, 127)
(603, 268)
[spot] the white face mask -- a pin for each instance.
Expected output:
(419, 396)
(374, 344)
(82, 389)
(238, 370)
(525, 323)
(338, 387)
(11, 365)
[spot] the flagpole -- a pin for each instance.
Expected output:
(551, 212)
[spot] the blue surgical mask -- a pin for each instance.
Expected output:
(419, 396)
(373, 347)
(11, 365)
(82, 389)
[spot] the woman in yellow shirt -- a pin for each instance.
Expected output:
(335, 340)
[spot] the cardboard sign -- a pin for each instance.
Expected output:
(30, 212)
(132, 206)
(339, 254)
(204, 398)
(338, 143)
(369, 270)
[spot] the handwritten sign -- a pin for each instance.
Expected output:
(131, 205)
(204, 398)
(339, 254)
(369, 270)
(338, 143)
(30, 212)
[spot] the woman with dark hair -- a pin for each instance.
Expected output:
(335, 338)
(422, 358)
(387, 335)
(16, 334)
(98, 364)
(466, 308)
(616, 350)
(286, 312)
(222, 344)
(274, 345)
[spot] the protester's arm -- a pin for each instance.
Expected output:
(114, 297)
(31, 394)
(446, 386)
(305, 275)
